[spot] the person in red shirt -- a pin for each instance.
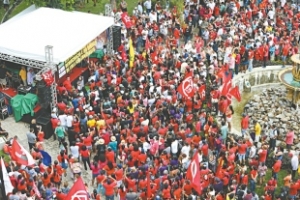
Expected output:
(266, 54)
(110, 155)
(263, 155)
(244, 124)
(85, 155)
(109, 184)
(187, 188)
(242, 149)
(293, 189)
(67, 84)
(276, 168)
(285, 53)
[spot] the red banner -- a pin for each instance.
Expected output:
(126, 20)
(186, 88)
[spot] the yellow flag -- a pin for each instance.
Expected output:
(131, 53)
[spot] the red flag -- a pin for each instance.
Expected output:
(126, 20)
(147, 44)
(202, 91)
(235, 92)
(148, 185)
(193, 174)
(221, 73)
(227, 77)
(78, 191)
(36, 191)
(20, 154)
(48, 77)
(186, 87)
(226, 87)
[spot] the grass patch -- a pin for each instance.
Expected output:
(22, 6)
(280, 177)
(88, 7)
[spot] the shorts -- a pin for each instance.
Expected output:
(95, 175)
(228, 119)
(244, 63)
(283, 58)
(89, 147)
(3, 81)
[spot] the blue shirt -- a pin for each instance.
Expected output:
(113, 146)
(75, 103)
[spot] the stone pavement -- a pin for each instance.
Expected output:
(20, 129)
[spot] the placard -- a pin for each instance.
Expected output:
(71, 62)
(61, 70)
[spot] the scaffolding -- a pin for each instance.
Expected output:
(110, 41)
(23, 61)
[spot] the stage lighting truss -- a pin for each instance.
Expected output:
(23, 61)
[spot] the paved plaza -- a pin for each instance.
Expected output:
(20, 129)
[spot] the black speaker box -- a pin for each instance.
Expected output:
(116, 37)
(45, 123)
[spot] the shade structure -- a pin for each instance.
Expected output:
(68, 32)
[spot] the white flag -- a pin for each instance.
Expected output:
(7, 183)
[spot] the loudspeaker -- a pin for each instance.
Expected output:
(116, 37)
(45, 123)
(43, 93)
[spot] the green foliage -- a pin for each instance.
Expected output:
(37, 3)
(179, 8)
(59, 4)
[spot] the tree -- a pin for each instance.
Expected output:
(179, 9)
(59, 4)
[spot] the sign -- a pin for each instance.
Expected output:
(61, 70)
(71, 62)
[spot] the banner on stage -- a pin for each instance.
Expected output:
(80, 55)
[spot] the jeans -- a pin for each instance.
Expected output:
(86, 160)
(250, 65)
(236, 68)
(252, 185)
(274, 174)
(241, 157)
(265, 61)
(294, 174)
(272, 144)
(243, 132)
(111, 197)
(30, 145)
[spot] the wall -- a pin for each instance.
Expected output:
(258, 77)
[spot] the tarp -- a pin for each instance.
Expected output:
(16, 104)
(68, 32)
(97, 54)
(22, 105)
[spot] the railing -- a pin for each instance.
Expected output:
(257, 77)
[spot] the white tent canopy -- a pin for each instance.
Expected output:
(68, 32)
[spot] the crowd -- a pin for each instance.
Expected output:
(140, 136)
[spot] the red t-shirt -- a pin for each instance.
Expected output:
(242, 148)
(109, 188)
(263, 156)
(84, 153)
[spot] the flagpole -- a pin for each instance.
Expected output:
(3, 192)
(148, 185)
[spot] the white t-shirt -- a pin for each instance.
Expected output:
(152, 16)
(186, 150)
(74, 151)
(174, 147)
(271, 14)
(63, 120)
(69, 121)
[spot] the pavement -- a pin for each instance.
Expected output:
(20, 129)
